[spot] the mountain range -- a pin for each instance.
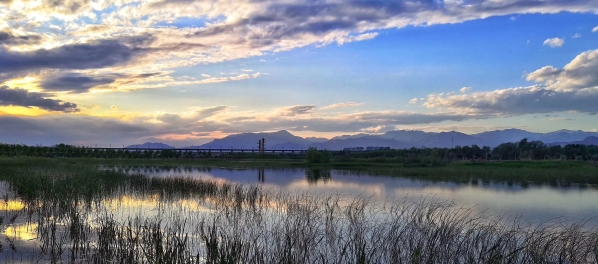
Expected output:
(394, 139)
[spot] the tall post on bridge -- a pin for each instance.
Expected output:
(261, 145)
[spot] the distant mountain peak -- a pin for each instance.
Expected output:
(283, 132)
(568, 131)
(151, 145)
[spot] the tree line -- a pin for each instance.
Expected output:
(522, 150)
(71, 151)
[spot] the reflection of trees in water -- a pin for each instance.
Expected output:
(314, 175)
(260, 175)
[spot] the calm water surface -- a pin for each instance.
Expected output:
(536, 203)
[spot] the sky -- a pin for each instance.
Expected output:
(183, 72)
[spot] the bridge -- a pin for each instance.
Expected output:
(218, 150)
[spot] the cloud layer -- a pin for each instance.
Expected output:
(22, 97)
(137, 36)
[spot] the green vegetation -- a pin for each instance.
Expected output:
(79, 214)
(315, 156)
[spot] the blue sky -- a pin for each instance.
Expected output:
(89, 72)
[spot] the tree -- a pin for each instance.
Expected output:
(486, 152)
(316, 156)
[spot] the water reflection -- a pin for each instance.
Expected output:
(260, 175)
(315, 175)
(25, 231)
(536, 201)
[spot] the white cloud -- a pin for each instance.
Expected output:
(554, 42)
(544, 74)
(595, 29)
(518, 101)
(572, 88)
(169, 82)
(413, 101)
(577, 35)
(580, 73)
(340, 105)
(374, 129)
(465, 89)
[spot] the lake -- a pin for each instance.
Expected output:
(537, 203)
(223, 215)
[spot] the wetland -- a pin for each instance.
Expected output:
(162, 211)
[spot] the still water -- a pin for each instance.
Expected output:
(536, 203)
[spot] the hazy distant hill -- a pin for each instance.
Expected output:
(512, 135)
(316, 140)
(587, 141)
(395, 139)
(497, 137)
(448, 139)
(277, 140)
(406, 135)
(150, 145)
(567, 135)
(369, 141)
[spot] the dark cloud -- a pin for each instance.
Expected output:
(74, 83)
(210, 111)
(8, 39)
(275, 22)
(130, 78)
(99, 54)
(298, 110)
(178, 121)
(285, 21)
(53, 129)
(22, 97)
